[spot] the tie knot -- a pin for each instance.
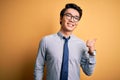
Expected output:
(66, 39)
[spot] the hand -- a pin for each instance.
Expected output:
(91, 46)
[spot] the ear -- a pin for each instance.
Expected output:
(60, 20)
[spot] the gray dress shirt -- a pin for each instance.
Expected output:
(50, 52)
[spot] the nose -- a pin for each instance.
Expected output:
(72, 19)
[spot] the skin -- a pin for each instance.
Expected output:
(68, 26)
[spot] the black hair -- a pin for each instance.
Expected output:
(73, 6)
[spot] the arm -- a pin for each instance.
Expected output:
(88, 58)
(40, 60)
(88, 63)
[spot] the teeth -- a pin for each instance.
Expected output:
(70, 25)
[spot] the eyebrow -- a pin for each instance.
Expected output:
(72, 15)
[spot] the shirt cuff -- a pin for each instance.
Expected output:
(92, 59)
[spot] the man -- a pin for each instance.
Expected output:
(63, 53)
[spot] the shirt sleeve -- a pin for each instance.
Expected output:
(87, 63)
(40, 60)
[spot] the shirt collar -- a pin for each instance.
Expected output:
(61, 35)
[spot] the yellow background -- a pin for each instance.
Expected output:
(24, 22)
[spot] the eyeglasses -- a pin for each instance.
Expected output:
(70, 16)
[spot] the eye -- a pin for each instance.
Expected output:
(68, 15)
(76, 17)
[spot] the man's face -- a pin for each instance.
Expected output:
(69, 20)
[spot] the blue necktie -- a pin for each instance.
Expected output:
(64, 67)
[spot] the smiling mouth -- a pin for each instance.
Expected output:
(71, 25)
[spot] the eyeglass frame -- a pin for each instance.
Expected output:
(70, 16)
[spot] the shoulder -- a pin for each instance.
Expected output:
(77, 39)
(51, 36)
(47, 38)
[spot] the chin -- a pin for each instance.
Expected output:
(70, 29)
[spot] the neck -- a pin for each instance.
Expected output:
(66, 33)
